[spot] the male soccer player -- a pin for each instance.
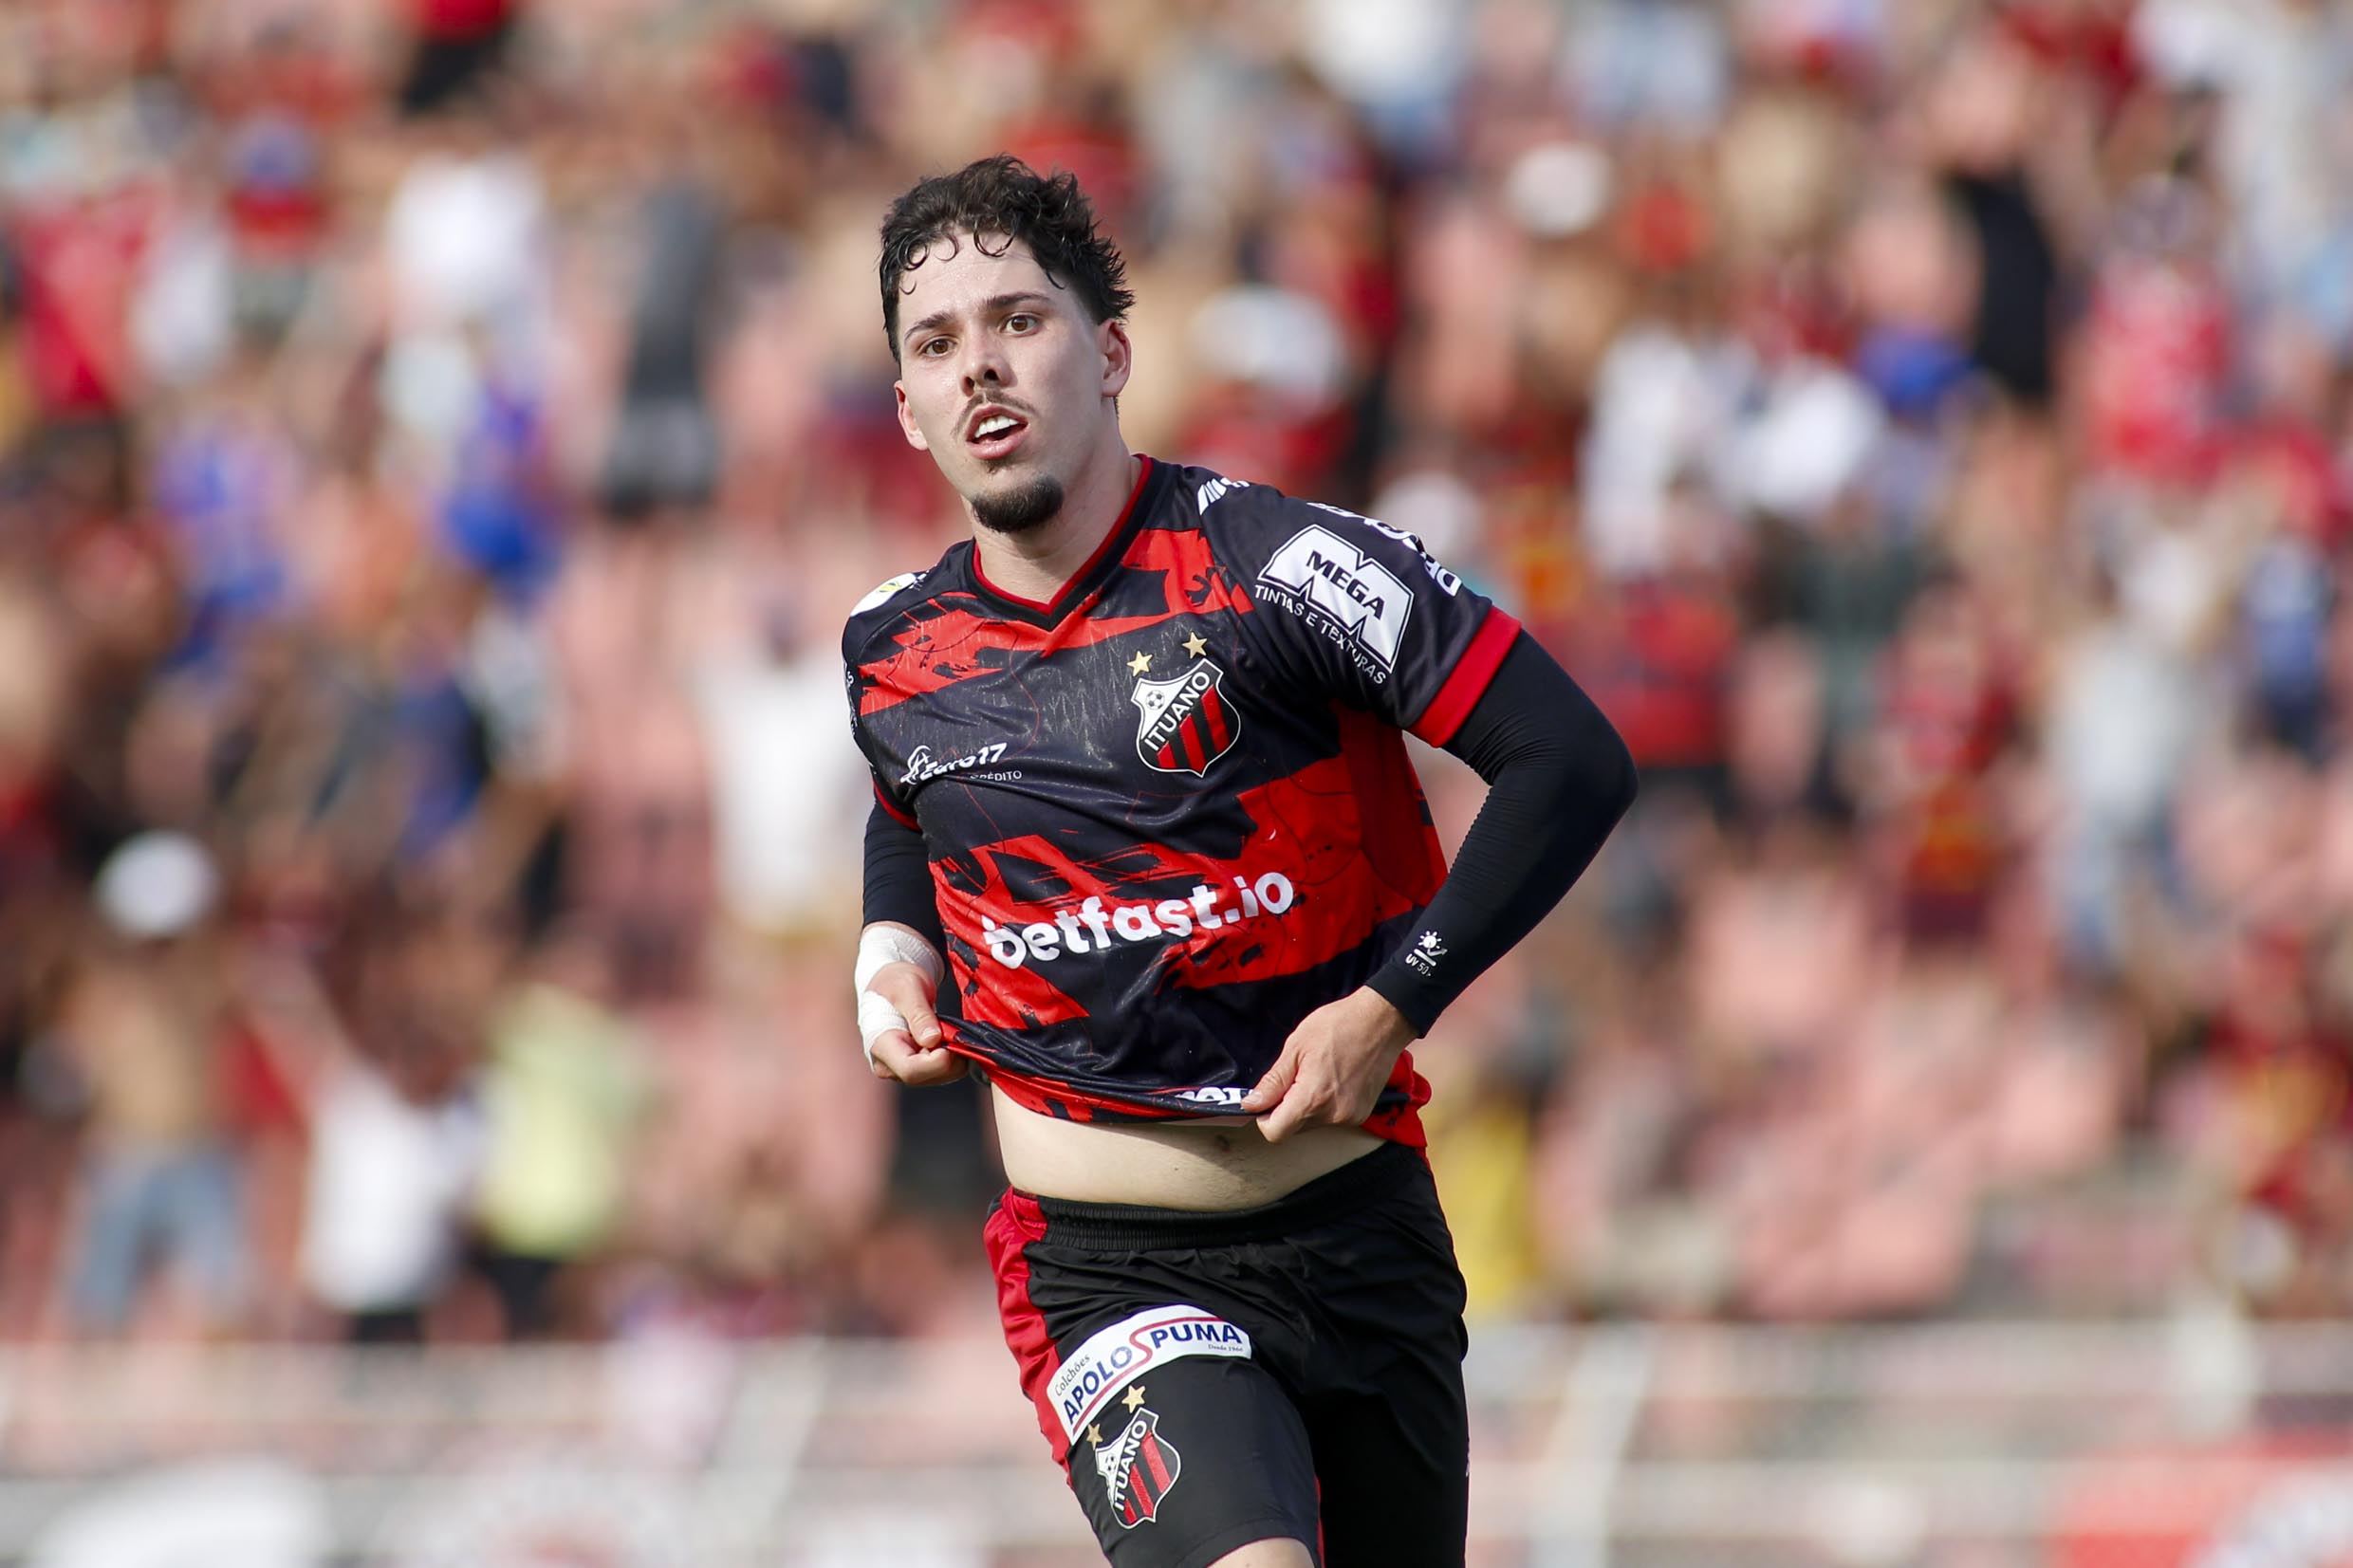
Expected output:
(1140, 787)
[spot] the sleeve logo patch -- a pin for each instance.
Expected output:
(1208, 495)
(1116, 1356)
(882, 591)
(1343, 593)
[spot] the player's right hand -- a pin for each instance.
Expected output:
(912, 1055)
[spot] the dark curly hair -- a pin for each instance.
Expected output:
(998, 200)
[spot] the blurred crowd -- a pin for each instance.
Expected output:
(439, 441)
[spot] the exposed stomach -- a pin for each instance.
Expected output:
(1208, 1165)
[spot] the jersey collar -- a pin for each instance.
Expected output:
(1048, 611)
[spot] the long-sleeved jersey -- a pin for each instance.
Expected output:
(1170, 813)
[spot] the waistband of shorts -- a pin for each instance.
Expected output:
(1388, 1170)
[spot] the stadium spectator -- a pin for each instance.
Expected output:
(438, 438)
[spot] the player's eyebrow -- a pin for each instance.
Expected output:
(996, 304)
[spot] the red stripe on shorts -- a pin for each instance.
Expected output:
(1017, 1223)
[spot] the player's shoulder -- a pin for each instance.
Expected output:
(1218, 502)
(888, 603)
(1241, 518)
(1262, 526)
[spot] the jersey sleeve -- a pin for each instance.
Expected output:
(856, 679)
(1361, 612)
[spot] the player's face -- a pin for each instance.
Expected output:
(1004, 380)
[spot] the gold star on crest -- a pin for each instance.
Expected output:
(1197, 645)
(1141, 663)
(1094, 1435)
(1135, 1399)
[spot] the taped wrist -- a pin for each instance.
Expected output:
(878, 946)
(882, 945)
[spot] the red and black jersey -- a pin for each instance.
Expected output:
(1170, 813)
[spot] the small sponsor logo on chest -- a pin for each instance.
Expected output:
(923, 767)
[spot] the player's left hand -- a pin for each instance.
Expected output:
(1332, 1066)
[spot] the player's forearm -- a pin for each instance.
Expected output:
(898, 879)
(1559, 779)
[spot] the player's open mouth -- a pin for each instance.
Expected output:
(996, 434)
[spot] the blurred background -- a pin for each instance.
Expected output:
(440, 440)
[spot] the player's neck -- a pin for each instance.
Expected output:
(1036, 564)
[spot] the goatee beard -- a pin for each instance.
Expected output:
(1021, 508)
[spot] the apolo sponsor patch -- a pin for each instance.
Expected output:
(1115, 1357)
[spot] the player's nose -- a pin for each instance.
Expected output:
(984, 365)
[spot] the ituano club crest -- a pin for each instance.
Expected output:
(1186, 723)
(1139, 1466)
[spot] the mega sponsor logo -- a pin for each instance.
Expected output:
(1186, 723)
(1344, 592)
(1438, 574)
(1094, 927)
(1116, 1356)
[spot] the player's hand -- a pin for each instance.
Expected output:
(912, 1055)
(1332, 1066)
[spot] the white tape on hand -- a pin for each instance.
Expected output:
(875, 1018)
(882, 945)
(878, 946)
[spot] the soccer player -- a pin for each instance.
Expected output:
(1141, 789)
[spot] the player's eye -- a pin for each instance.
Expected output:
(932, 347)
(1021, 321)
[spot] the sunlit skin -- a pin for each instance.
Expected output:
(980, 331)
(977, 331)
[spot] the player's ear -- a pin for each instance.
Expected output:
(1119, 356)
(907, 418)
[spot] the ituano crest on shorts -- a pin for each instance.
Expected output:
(1139, 1466)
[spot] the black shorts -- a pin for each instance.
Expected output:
(1208, 1380)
